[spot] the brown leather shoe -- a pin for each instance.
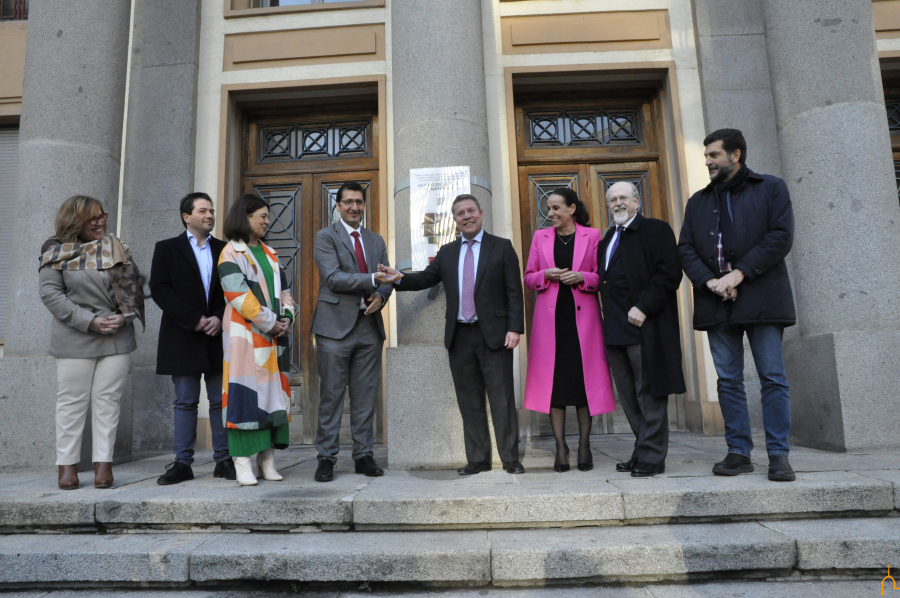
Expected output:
(68, 477)
(103, 476)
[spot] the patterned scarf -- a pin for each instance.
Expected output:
(107, 253)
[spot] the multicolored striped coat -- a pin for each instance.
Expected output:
(256, 392)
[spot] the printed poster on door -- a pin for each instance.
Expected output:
(431, 195)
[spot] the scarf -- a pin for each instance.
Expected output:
(107, 253)
(726, 223)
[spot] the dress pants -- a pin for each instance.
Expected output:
(98, 382)
(648, 416)
(187, 399)
(354, 360)
(477, 368)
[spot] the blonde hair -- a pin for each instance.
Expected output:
(72, 215)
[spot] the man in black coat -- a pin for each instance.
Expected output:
(640, 273)
(735, 237)
(184, 282)
(485, 316)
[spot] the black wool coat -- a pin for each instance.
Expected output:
(653, 272)
(176, 287)
(764, 233)
(499, 300)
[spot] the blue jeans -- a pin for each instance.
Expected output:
(187, 397)
(726, 342)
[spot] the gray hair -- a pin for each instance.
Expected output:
(634, 189)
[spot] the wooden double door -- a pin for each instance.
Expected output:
(587, 143)
(313, 157)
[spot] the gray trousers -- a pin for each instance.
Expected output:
(354, 360)
(648, 416)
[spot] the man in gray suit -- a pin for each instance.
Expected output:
(349, 331)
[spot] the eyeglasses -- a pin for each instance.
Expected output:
(350, 202)
(101, 219)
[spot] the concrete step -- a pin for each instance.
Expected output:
(632, 554)
(437, 500)
(734, 589)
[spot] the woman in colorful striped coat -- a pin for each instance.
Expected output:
(259, 312)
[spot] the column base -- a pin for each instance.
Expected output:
(844, 390)
(424, 425)
(28, 407)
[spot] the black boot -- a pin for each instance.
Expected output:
(175, 474)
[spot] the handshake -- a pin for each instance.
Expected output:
(387, 275)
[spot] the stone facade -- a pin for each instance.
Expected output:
(803, 82)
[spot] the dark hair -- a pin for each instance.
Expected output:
(464, 197)
(571, 198)
(187, 204)
(351, 186)
(732, 140)
(237, 225)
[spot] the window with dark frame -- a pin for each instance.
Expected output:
(13, 10)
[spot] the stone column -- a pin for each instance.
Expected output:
(70, 142)
(836, 159)
(159, 171)
(440, 119)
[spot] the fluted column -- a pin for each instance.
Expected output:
(70, 141)
(836, 158)
(439, 119)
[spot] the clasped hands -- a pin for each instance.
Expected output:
(211, 326)
(564, 275)
(107, 325)
(726, 287)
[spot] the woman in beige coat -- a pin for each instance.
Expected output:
(91, 285)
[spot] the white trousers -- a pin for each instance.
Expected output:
(98, 382)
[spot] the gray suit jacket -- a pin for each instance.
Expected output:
(75, 297)
(341, 285)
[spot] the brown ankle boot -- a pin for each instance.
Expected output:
(103, 476)
(68, 477)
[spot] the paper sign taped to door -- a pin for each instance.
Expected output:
(431, 195)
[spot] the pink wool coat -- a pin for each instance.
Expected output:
(542, 342)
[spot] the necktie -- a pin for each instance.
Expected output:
(468, 284)
(619, 230)
(360, 259)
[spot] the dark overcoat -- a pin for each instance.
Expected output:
(764, 232)
(176, 287)
(499, 300)
(653, 271)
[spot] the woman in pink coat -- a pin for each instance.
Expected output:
(566, 355)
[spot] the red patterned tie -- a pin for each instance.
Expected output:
(468, 286)
(360, 259)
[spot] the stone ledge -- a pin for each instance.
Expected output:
(398, 557)
(844, 543)
(638, 551)
(749, 495)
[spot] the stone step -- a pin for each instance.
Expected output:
(434, 500)
(736, 589)
(640, 553)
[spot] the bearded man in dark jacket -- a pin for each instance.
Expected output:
(736, 234)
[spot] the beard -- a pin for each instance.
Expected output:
(723, 172)
(620, 217)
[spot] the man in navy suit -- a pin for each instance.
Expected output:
(485, 316)
(184, 282)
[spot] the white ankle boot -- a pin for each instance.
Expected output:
(265, 462)
(244, 471)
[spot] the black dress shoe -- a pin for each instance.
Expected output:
(780, 469)
(225, 469)
(734, 464)
(647, 470)
(175, 474)
(473, 468)
(368, 466)
(325, 471)
(513, 467)
(626, 465)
